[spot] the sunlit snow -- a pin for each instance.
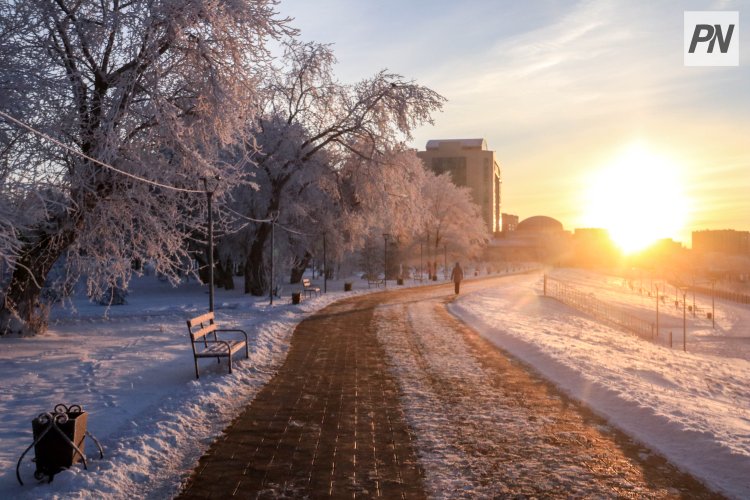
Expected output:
(134, 373)
(694, 406)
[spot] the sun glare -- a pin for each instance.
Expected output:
(638, 198)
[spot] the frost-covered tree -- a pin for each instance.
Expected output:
(386, 195)
(322, 116)
(153, 88)
(394, 194)
(303, 212)
(453, 218)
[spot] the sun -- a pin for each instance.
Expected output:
(638, 197)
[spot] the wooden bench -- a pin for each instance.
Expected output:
(206, 343)
(375, 282)
(308, 288)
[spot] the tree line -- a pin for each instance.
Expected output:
(129, 106)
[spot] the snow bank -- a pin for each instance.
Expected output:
(133, 372)
(693, 407)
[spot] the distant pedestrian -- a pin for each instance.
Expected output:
(457, 274)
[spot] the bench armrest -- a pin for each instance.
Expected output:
(226, 344)
(243, 332)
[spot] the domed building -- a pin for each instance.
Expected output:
(540, 224)
(539, 238)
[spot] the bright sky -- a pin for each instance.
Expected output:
(564, 91)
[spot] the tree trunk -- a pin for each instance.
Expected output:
(225, 274)
(256, 282)
(298, 270)
(22, 298)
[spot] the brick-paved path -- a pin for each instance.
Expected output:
(329, 424)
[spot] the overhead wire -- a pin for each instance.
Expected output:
(250, 219)
(64, 146)
(272, 220)
(296, 232)
(91, 159)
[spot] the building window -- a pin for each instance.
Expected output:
(455, 165)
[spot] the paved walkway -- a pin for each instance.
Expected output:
(332, 424)
(329, 424)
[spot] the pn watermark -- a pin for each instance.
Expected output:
(712, 38)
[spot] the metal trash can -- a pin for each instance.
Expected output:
(59, 438)
(52, 450)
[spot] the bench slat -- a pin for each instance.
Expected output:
(203, 318)
(220, 349)
(203, 332)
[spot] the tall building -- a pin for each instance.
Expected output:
(472, 165)
(727, 241)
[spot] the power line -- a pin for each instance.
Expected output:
(250, 219)
(245, 216)
(296, 232)
(94, 160)
(135, 177)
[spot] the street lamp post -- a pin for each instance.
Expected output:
(209, 196)
(445, 262)
(385, 260)
(325, 266)
(713, 305)
(657, 311)
(684, 320)
(693, 298)
(420, 260)
(274, 215)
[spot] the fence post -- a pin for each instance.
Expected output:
(545, 285)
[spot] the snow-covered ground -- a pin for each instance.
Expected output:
(693, 407)
(133, 372)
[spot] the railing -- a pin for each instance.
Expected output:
(602, 311)
(738, 297)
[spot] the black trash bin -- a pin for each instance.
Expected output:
(59, 438)
(53, 451)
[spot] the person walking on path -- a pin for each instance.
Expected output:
(457, 274)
